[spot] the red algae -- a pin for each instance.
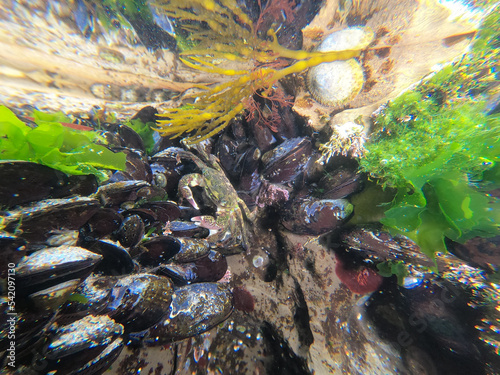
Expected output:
(359, 280)
(243, 300)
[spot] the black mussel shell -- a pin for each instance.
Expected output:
(50, 266)
(227, 151)
(140, 301)
(146, 114)
(195, 308)
(147, 216)
(180, 274)
(64, 237)
(130, 138)
(131, 231)
(187, 229)
(211, 267)
(375, 242)
(263, 136)
(116, 193)
(286, 162)
(104, 222)
(168, 156)
(168, 169)
(36, 222)
(52, 298)
(315, 216)
(162, 143)
(165, 210)
(89, 345)
(91, 297)
(340, 184)
(240, 161)
(127, 136)
(191, 249)
(12, 249)
(24, 182)
(136, 167)
(152, 193)
(113, 139)
(104, 360)
(371, 241)
(82, 335)
(249, 175)
(115, 259)
(81, 185)
(159, 250)
(478, 251)
(29, 328)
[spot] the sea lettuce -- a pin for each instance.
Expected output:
(145, 131)
(447, 206)
(438, 145)
(57, 146)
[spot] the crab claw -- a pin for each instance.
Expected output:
(187, 194)
(193, 203)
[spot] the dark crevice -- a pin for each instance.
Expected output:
(301, 317)
(284, 360)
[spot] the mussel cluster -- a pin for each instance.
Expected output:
(280, 170)
(95, 268)
(89, 269)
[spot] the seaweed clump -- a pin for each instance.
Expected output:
(50, 143)
(221, 32)
(439, 146)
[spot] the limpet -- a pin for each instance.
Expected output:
(338, 82)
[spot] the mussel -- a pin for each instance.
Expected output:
(195, 308)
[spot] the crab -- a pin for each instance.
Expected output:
(230, 227)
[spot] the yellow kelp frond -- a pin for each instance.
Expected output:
(217, 23)
(211, 68)
(222, 35)
(212, 112)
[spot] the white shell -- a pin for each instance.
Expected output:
(338, 82)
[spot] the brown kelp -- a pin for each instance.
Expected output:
(222, 33)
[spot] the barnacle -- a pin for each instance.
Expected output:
(222, 32)
(347, 139)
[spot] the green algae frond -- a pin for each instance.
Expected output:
(52, 144)
(439, 147)
(145, 131)
(223, 33)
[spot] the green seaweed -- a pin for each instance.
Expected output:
(52, 144)
(398, 268)
(440, 150)
(145, 131)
